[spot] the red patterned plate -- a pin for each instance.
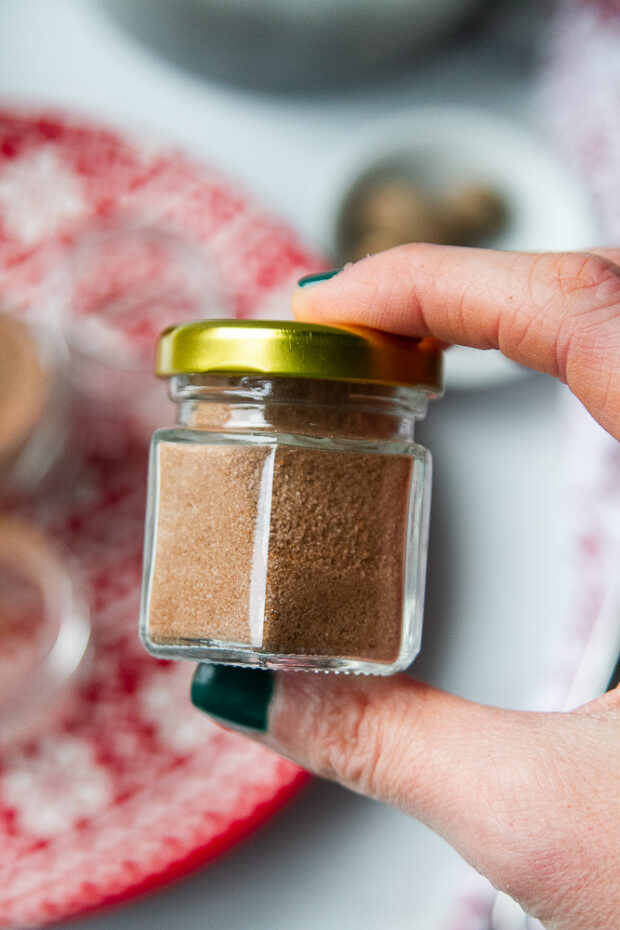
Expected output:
(132, 786)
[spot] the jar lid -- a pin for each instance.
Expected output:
(299, 350)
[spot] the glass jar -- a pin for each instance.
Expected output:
(33, 403)
(287, 515)
(44, 632)
(117, 287)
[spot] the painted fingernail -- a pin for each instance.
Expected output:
(318, 277)
(238, 697)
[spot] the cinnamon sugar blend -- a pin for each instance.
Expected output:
(333, 529)
(336, 567)
(207, 515)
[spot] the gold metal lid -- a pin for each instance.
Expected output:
(299, 350)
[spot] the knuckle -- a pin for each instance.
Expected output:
(345, 741)
(585, 273)
(588, 287)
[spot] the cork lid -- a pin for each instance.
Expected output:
(300, 350)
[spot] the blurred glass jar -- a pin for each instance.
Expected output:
(33, 403)
(118, 288)
(44, 631)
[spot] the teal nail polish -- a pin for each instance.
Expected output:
(316, 278)
(238, 697)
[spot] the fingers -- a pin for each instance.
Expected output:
(526, 798)
(558, 313)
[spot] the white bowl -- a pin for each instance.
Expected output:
(443, 146)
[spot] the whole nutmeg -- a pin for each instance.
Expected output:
(400, 207)
(473, 212)
(391, 212)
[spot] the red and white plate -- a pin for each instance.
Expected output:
(132, 786)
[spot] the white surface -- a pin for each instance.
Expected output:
(332, 859)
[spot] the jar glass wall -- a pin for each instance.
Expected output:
(287, 524)
(45, 631)
(120, 283)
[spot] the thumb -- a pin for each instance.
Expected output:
(511, 791)
(555, 312)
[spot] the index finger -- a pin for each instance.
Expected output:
(557, 313)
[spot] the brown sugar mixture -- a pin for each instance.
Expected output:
(282, 549)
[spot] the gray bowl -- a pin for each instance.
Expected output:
(288, 44)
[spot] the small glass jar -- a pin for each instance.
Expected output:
(33, 403)
(287, 516)
(118, 286)
(44, 632)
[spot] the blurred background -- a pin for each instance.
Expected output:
(166, 160)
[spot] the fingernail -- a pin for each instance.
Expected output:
(316, 278)
(238, 697)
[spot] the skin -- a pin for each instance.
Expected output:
(530, 800)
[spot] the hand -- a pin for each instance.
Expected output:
(530, 800)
